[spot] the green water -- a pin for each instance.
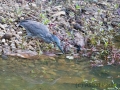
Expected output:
(56, 74)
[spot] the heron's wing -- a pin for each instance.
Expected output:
(36, 29)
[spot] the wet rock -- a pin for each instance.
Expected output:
(27, 54)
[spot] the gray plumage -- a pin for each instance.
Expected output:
(39, 30)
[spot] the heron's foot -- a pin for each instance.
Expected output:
(23, 39)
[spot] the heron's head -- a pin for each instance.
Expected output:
(57, 41)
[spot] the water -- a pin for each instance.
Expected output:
(56, 74)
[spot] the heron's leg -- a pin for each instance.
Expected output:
(23, 39)
(38, 44)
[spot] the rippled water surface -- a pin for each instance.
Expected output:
(56, 74)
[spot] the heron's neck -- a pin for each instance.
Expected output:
(53, 37)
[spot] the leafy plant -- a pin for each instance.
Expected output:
(77, 6)
(44, 19)
(19, 12)
(116, 6)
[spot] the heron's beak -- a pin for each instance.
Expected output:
(57, 41)
(61, 49)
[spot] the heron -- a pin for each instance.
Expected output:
(40, 31)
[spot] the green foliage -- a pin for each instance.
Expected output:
(116, 6)
(18, 12)
(72, 14)
(106, 44)
(93, 40)
(115, 85)
(77, 6)
(3, 20)
(44, 19)
(102, 40)
(42, 16)
(11, 20)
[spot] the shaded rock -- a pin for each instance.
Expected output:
(7, 36)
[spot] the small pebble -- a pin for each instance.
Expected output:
(3, 40)
(20, 33)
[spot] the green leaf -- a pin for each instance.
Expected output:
(46, 21)
(42, 15)
(116, 6)
(77, 6)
